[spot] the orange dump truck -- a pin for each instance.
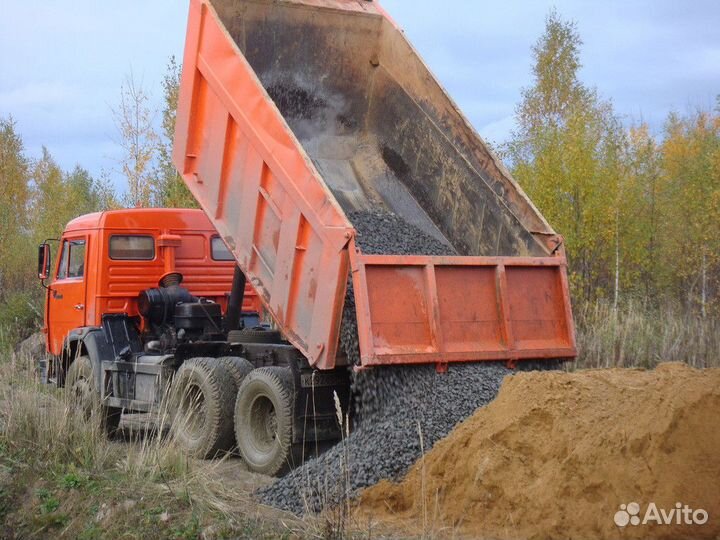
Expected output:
(294, 118)
(294, 114)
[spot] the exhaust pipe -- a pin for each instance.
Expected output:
(237, 293)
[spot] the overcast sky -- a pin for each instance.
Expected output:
(62, 62)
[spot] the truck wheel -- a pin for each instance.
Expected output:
(80, 384)
(263, 420)
(238, 367)
(201, 405)
(254, 336)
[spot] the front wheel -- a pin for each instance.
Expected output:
(263, 420)
(81, 386)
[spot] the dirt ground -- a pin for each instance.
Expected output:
(557, 454)
(229, 471)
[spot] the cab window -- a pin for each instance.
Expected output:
(72, 260)
(219, 250)
(125, 247)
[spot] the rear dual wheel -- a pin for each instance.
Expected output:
(217, 402)
(202, 402)
(263, 420)
(201, 407)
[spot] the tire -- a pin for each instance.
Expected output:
(81, 385)
(254, 336)
(238, 367)
(264, 420)
(201, 404)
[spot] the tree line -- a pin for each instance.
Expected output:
(38, 198)
(639, 212)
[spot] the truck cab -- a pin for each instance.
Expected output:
(106, 259)
(147, 312)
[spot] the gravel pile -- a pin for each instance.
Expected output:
(382, 233)
(385, 233)
(395, 405)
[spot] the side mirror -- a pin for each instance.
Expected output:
(43, 261)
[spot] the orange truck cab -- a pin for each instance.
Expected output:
(106, 259)
(133, 296)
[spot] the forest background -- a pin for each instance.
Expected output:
(640, 213)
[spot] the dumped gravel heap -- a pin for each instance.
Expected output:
(381, 233)
(396, 405)
(386, 439)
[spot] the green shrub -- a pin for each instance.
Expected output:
(20, 316)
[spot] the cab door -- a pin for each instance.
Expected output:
(66, 298)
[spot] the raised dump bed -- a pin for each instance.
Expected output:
(294, 114)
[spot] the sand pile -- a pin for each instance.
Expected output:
(556, 454)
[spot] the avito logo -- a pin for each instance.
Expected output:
(629, 514)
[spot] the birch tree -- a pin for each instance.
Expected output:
(171, 190)
(14, 198)
(138, 140)
(565, 153)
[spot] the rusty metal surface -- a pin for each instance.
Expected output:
(378, 126)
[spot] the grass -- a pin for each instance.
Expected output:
(60, 477)
(634, 336)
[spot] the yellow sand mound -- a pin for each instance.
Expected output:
(556, 454)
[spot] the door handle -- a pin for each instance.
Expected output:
(79, 307)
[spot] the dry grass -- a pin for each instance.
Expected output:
(634, 336)
(60, 476)
(42, 423)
